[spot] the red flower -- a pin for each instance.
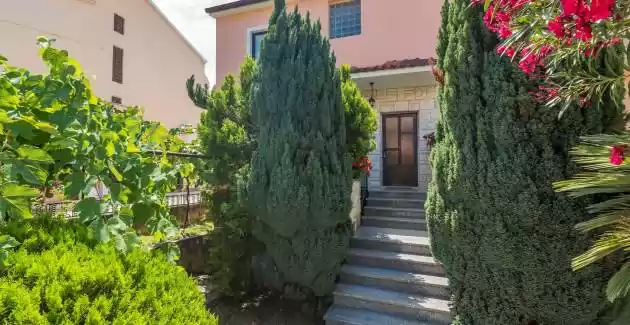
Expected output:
(502, 50)
(601, 9)
(556, 26)
(571, 7)
(504, 31)
(583, 32)
(617, 154)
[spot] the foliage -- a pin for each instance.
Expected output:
(604, 174)
(562, 42)
(581, 60)
(301, 182)
(504, 236)
(56, 278)
(226, 137)
(361, 121)
(53, 128)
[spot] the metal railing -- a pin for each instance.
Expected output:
(365, 193)
(67, 208)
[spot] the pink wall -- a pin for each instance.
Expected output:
(391, 30)
(156, 60)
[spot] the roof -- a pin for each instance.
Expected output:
(392, 65)
(233, 5)
(177, 31)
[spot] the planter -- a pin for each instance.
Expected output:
(355, 213)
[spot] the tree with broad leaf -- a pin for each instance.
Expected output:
(53, 128)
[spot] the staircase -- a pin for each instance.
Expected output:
(390, 277)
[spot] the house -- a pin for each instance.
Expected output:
(128, 49)
(388, 44)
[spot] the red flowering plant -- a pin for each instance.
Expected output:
(574, 49)
(564, 43)
(361, 167)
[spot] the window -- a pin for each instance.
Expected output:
(256, 42)
(116, 100)
(345, 19)
(117, 65)
(119, 24)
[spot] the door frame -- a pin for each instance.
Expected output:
(384, 144)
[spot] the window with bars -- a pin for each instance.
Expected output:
(116, 100)
(117, 65)
(345, 19)
(119, 24)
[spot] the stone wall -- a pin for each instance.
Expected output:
(406, 100)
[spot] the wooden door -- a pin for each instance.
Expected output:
(400, 150)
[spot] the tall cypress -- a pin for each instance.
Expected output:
(301, 182)
(505, 237)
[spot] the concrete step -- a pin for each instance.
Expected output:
(393, 212)
(397, 193)
(393, 303)
(394, 223)
(395, 203)
(351, 316)
(425, 285)
(397, 261)
(392, 240)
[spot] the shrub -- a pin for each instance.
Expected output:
(75, 284)
(300, 183)
(226, 136)
(361, 121)
(505, 237)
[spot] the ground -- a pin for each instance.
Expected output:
(264, 311)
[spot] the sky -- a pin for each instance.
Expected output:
(198, 27)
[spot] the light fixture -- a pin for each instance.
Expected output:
(372, 100)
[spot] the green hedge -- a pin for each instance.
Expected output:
(58, 277)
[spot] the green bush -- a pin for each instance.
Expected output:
(61, 275)
(505, 238)
(301, 182)
(226, 136)
(361, 120)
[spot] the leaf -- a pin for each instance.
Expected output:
(88, 209)
(119, 242)
(114, 171)
(30, 173)
(117, 224)
(132, 240)
(14, 190)
(4, 117)
(16, 207)
(7, 242)
(34, 154)
(63, 143)
(619, 284)
(100, 230)
(110, 149)
(75, 184)
(46, 127)
(132, 148)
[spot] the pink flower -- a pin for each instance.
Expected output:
(502, 50)
(583, 32)
(570, 7)
(617, 154)
(504, 31)
(601, 9)
(556, 26)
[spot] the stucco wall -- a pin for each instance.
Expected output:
(391, 30)
(406, 100)
(156, 60)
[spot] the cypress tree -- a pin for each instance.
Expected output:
(300, 183)
(504, 236)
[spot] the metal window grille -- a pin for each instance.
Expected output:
(119, 24)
